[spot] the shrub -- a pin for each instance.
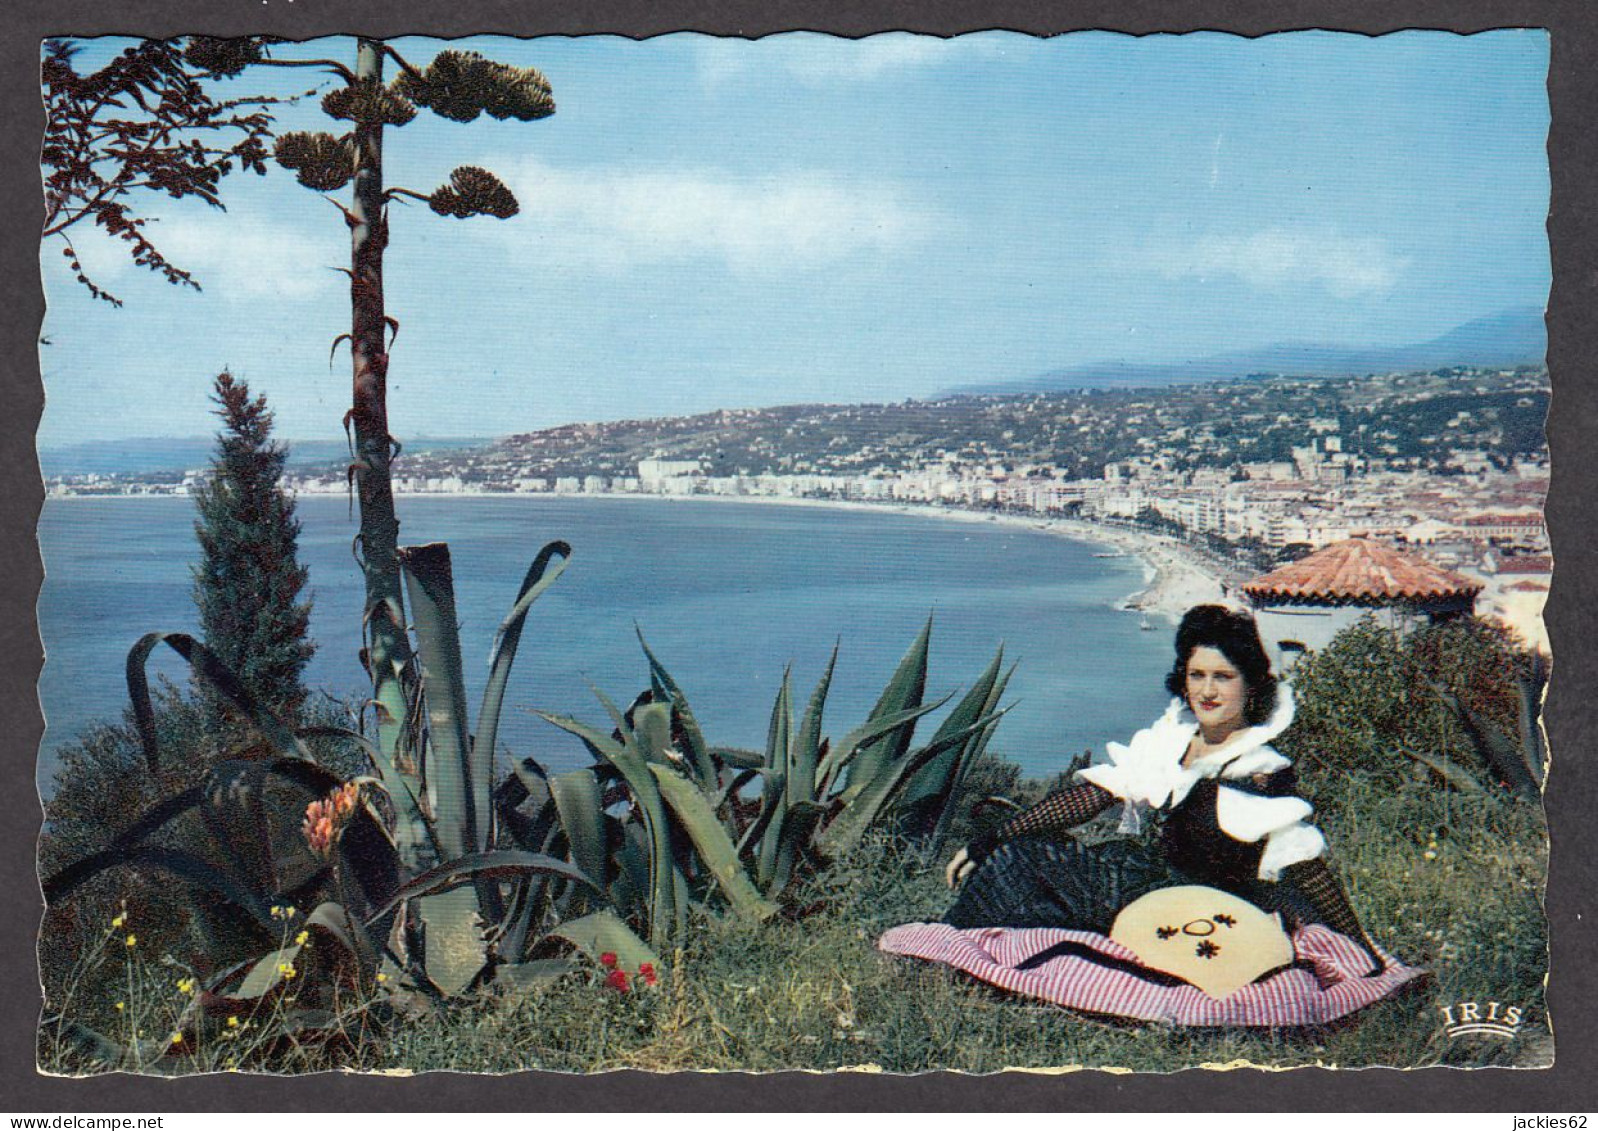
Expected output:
(104, 783)
(1441, 704)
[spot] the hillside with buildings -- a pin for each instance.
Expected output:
(1254, 473)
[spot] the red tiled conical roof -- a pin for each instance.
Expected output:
(1360, 571)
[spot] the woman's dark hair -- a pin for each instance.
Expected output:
(1234, 636)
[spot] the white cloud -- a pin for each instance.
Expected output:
(249, 257)
(822, 60)
(1347, 266)
(753, 225)
(236, 255)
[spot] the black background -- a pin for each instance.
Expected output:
(1573, 990)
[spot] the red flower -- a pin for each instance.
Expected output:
(617, 980)
(647, 973)
(608, 959)
(325, 818)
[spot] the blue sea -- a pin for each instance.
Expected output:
(728, 595)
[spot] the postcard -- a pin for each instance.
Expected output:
(696, 554)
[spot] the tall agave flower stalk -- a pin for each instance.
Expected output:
(388, 650)
(458, 86)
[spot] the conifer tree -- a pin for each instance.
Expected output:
(249, 581)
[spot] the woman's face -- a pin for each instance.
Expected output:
(1215, 691)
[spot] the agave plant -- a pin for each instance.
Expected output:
(405, 867)
(1516, 761)
(663, 818)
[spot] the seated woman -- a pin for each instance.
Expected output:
(1229, 813)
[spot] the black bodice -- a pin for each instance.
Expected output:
(1193, 842)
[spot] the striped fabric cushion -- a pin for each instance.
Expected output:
(1327, 982)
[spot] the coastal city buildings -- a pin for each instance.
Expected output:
(1253, 474)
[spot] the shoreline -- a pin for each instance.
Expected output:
(1175, 577)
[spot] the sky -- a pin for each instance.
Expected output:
(713, 223)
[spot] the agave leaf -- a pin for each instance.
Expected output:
(902, 693)
(698, 749)
(741, 759)
(770, 805)
(185, 865)
(797, 829)
(64, 882)
(269, 971)
(603, 933)
(1457, 776)
(1530, 692)
(348, 931)
(839, 757)
(729, 793)
(522, 831)
(215, 674)
(974, 750)
(601, 745)
(777, 745)
(844, 831)
(629, 891)
(929, 790)
(777, 730)
(652, 733)
(582, 816)
(524, 914)
(91, 1043)
(499, 864)
(540, 576)
(454, 951)
(541, 972)
(458, 813)
(1498, 752)
(627, 758)
(697, 817)
(804, 753)
(617, 719)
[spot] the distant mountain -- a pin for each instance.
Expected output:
(1511, 337)
(147, 455)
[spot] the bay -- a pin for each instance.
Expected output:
(728, 595)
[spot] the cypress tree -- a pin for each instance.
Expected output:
(249, 580)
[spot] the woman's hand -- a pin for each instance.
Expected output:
(959, 868)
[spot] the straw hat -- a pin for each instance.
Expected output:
(1208, 938)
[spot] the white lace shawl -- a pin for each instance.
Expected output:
(1149, 771)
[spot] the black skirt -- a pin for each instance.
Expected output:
(1036, 882)
(1033, 882)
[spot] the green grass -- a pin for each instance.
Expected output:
(814, 993)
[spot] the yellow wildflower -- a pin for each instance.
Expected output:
(232, 1022)
(302, 938)
(185, 985)
(286, 969)
(133, 940)
(177, 1038)
(120, 919)
(121, 1005)
(382, 977)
